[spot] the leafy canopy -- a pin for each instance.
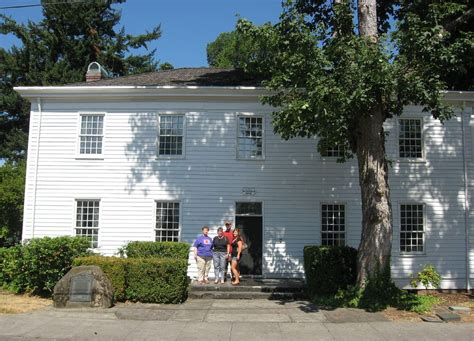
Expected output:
(327, 77)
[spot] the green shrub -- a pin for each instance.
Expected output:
(157, 280)
(9, 263)
(140, 249)
(114, 268)
(329, 269)
(37, 266)
(429, 277)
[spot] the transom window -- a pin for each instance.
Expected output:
(167, 221)
(92, 134)
(170, 135)
(250, 138)
(87, 220)
(410, 138)
(248, 208)
(411, 228)
(333, 224)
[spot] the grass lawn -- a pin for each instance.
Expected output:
(15, 304)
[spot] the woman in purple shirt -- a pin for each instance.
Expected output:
(203, 255)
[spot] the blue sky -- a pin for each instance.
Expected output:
(187, 25)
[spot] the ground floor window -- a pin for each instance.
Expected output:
(167, 221)
(333, 224)
(411, 228)
(87, 220)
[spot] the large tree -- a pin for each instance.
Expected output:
(339, 69)
(57, 50)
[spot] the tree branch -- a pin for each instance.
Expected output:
(452, 25)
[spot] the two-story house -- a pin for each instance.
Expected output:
(156, 156)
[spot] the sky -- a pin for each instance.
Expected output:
(187, 25)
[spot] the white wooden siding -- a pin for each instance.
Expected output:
(291, 182)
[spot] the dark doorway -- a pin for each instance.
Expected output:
(249, 219)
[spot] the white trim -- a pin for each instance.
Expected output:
(157, 142)
(334, 202)
(237, 130)
(408, 254)
(180, 215)
(78, 154)
(33, 218)
(421, 159)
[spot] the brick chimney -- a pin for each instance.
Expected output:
(95, 72)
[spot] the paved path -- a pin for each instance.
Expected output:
(221, 320)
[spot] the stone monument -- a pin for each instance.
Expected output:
(83, 286)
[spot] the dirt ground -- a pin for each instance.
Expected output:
(454, 299)
(15, 304)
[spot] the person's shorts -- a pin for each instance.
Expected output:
(235, 258)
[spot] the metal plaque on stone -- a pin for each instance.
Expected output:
(81, 288)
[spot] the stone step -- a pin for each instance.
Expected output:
(227, 287)
(244, 295)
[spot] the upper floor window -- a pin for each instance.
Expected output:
(333, 224)
(411, 228)
(167, 221)
(332, 151)
(250, 137)
(91, 134)
(170, 135)
(87, 220)
(410, 138)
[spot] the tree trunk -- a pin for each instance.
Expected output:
(367, 11)
(376, 239)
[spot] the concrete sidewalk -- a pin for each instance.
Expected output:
(221, 320)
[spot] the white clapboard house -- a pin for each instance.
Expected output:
(156, 156)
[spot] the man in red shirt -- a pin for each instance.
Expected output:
(230, 236)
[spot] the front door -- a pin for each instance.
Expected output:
(248, 218)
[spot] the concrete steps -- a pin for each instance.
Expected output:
(274, 289)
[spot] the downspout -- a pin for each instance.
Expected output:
(38, 100)
(466, 200)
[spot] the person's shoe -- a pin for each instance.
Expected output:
(206, 281)
(222, 281)
(216, 281)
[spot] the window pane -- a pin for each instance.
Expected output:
(248, 208)
(167, 221)
(411, 228)
(250, 139)
(170, 141)
(87, 220)
(91, 134)
(333, 224)
(410, 138)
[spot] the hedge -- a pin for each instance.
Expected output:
(329, 268)
(37, 266)
(113, 267)
(151, 280)
(140, 249)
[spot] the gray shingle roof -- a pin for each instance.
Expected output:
(181, 77)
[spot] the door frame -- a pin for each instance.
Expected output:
(263, 275)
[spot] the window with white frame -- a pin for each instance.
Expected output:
(167, 221)
(91, 134)
(170, 135)
(250, 137)
(332, 151)
(412, 228)
(87, 220)
(333, 224)
(410, 140)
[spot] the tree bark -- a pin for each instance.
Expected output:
(376, 239)
(367, 12)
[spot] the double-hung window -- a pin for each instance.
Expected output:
(336, 151)
(170, 135)
(87, 220)
(412, 231)
(410, 138)
(91, 134)
(333, 224)
(250, 137)
(167, 221)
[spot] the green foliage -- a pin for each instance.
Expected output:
(37, 266)
(230, 50)
(428, 277)
(329, 269)
(12, 183)
(9, 265)
(114, 268)
(157, 280)
(57, 50)
(141, 249)
(166, 66)
(152, 280)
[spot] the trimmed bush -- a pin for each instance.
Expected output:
(113, 267)
(329, 269)
(157, 280)
(37, 266)
(140, 249)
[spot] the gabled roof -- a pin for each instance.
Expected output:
(181, 77)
